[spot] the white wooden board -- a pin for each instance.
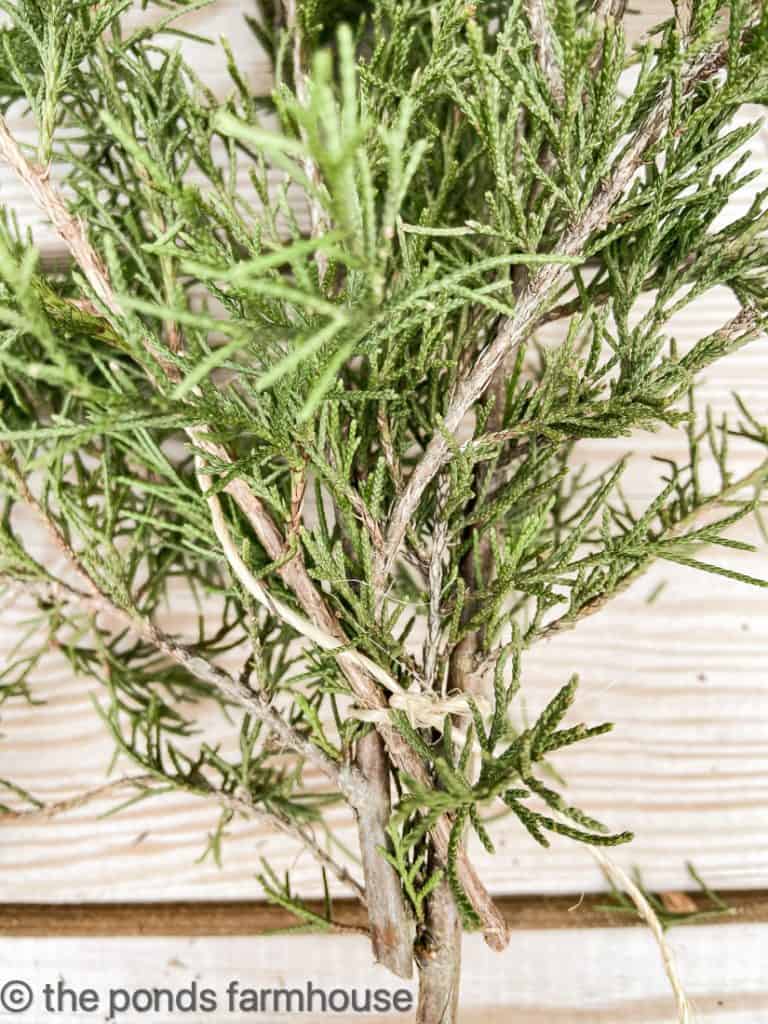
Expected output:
(572, 977)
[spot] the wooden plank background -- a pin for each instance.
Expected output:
(686, 768)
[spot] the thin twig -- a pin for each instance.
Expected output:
(46, 811)
(147, 784)
(434, 618)
(541, 32)
(245, 805)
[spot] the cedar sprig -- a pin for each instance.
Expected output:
(329, 302)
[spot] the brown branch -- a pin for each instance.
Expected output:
(615, 9)
(393, 948)
(531, 305)
(243, 804)
(684, 17)
(46, 811)
(439, 960)
(392, 928)
(541, 33)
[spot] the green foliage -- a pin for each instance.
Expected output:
(715, 905)
(408, 857)
(311, 278)
(506, 773)
(278, 891)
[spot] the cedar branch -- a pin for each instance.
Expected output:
(532, 304)
(293, 573)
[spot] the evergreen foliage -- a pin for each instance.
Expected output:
(324, 302)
